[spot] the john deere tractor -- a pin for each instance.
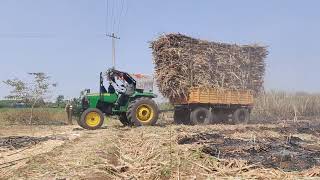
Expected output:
(133, 106)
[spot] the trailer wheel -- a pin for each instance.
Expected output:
(201, 115)
(241, 115)
(181, 116)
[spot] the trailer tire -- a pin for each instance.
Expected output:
(201, 115)
(241, 115)
(181, 116)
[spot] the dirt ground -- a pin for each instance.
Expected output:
(284, 149)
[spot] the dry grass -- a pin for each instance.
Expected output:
(42, 116)
(285, 106)
(116, 152)
(154, 153)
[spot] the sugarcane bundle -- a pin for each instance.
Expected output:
(182, 62)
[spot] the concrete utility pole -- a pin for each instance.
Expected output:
(113, 48)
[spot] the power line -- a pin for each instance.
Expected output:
(107, 15)
(114, 23)
(112, 16)
(39, 35)
(26, 35)
(127, 8)
(122, 4)
(115, 11)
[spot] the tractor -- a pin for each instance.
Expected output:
(122, 98)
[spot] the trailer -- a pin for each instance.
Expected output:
(211, 105)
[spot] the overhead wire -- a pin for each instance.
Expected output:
(115, 11)
(120, 16)
(107, 16)
(113, 16)
(109, 21)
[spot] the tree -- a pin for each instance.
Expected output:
(60, 100)
(30, 92)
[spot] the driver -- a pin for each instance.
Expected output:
(111, 89)
(126, 91)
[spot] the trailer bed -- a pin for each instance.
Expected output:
(218, 96)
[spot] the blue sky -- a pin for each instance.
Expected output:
(65, 38)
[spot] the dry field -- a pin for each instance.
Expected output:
(282, 142)
(282, 149)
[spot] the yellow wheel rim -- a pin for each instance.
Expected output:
(93, 119)
(145, 113)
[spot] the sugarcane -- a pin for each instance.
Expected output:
(183, 62)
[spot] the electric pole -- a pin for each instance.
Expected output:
(113, 48)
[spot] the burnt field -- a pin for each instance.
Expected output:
(281, 149)
(288, 152)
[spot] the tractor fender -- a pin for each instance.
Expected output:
(139, 95)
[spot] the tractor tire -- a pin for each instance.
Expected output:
(181, 116)
(201, 115)
(124, 120)
(241, 115)
(80, 123)
(92, 119)
(143, 111)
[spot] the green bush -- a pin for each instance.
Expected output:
(6, 103)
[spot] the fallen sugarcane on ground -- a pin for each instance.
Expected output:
(182, 62)
(285, 149)
(17, 142)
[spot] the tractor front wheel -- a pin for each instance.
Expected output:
(143, 111)
(91, 119)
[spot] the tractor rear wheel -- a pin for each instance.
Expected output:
(91, 119)
(124, 120)
(143, 111)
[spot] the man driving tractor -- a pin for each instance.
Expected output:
(133, 106)
(125, 90)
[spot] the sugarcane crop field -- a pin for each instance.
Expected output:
(184, 90)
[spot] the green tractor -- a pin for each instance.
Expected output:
(133, 106)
